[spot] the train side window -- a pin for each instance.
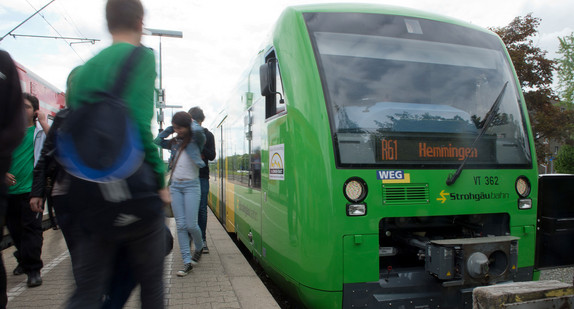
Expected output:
(272, 86)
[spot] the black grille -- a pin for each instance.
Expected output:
(401, 194)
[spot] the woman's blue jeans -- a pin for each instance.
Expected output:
(185, 197)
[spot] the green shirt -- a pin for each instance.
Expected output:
(23, 164)
(99, 74)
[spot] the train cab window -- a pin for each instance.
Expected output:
(274, 103)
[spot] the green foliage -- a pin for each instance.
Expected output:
(566, 69)
(565, 160)
(534, 72)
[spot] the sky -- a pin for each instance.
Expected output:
(219, 37)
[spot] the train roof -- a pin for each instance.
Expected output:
(379, 9)
(37, 78)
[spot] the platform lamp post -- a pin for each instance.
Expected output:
(161, 92)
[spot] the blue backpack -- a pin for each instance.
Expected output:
(99, 142)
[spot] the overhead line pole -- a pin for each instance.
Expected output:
(83, 40)
(38, 11)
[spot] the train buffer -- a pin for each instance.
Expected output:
(222, 279)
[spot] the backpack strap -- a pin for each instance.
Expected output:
(126, 68)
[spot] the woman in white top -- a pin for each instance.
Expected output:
(184, 184)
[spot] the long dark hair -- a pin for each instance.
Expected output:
(183, 119)
(11, 110)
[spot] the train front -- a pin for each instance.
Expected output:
(432, 146)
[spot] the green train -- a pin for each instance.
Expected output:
(376, 156)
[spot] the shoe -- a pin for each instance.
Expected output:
(205, 250)
(185, 271)
(34, 279)
(196, 257)
(18, 271)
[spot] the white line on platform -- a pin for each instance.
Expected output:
(22, 286)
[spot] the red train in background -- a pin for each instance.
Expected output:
(51, 98)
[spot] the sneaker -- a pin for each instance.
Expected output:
(205, 250)
(185, 271)
(18, 271)
(196, 257)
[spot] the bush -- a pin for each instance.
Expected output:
(565, 160)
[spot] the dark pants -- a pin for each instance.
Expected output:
(142, 244)
(70, 229)
(3, 205)
(123, 280)
(202, 218)
(25, 227)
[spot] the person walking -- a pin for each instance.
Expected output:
(51, 183)
(184, 184)
(24, 225)
(11, 133)
(207, 154)
(134, 225)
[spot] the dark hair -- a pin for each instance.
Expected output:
(197, 114)
(124, 14)
(182, 119)
(11, 109)
(33, 100)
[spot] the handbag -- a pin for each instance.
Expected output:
(167, 210)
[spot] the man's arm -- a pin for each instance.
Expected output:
(142, 107)
(43, 120)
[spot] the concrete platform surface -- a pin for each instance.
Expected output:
(222, 279)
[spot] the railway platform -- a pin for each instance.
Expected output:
(222, 279)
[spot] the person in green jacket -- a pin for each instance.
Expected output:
(24, 225)
(138, 231)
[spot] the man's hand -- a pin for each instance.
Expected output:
(164, 195)
(10, 179)
(43, 120)
(37, 204)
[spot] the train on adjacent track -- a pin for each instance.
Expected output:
(376, 156)
(51, 98)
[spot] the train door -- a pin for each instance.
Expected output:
(275, 210)
(222, 171)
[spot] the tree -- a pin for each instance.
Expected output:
(566, 69)
(565, 160)
(534, 72)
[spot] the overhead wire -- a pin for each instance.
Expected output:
(70, 45)
(70, 20)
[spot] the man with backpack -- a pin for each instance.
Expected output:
(121, 214)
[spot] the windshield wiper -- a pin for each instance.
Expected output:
(489, 117)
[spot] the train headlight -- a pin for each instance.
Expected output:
(355, 189)
(354, 210)
(522, 186)
(524, 203)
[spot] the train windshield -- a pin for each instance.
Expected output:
(416, 92)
